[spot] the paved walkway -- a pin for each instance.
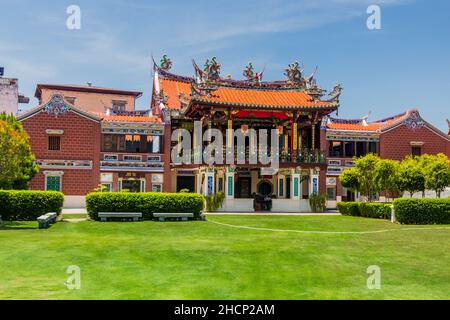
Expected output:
(75, 220)
(73, 210)
(328, 213)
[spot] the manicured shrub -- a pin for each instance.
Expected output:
(28, 205)
(348, 208)
(146, 202)
(377, 210)
(422, 211)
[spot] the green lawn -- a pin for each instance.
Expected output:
(203, 260)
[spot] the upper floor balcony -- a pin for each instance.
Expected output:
(131, 162)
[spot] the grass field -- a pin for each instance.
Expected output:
(204, 260)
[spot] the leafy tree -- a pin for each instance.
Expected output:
(411, 175)
(17, 165)
(366, 168)
(349, 179)
(437, 173)
(385, 176)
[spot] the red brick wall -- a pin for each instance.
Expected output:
(396, 143)
(80, 141)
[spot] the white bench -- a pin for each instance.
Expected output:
(46, 219)
(133, 215)
(163, 215)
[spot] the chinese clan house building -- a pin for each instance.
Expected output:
(88, 139)
(294, 107)
(391, 138)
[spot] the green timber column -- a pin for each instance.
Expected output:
(229, 183)
(295, 184)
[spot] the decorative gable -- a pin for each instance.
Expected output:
(414, 121)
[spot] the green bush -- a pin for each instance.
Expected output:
(145, 202)
(28, 205)
(422, 210)
(318, 202)
(377, 210)
(348, 208)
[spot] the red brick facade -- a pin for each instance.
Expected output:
(397, 143)
(79, 140)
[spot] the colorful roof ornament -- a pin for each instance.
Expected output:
(252, 76)
(414, 121)
(56, 106)
(211, 69)
(335, 93)
(294, 74)
(165, 63)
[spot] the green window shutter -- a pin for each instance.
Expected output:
(295, 187)
(54, 183)
(230, 186)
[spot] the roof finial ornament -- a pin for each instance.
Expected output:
(252, 76)
(335, 93)
(212, 69)
(293, 73)
(165, 63)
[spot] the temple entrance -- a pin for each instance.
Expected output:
(265, 188)
(186, 182)
(243, 188)
(288, 187)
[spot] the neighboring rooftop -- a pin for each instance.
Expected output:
(84, 88)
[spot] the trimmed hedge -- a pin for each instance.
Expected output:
(28, 205)
(348, 208)
(145, 202)
(422, 210)
(377, 210)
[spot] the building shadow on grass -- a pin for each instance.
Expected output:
(18, 225)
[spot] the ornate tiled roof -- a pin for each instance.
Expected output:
(207, 87)
(254, 97)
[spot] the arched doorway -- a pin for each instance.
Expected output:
(265, 188)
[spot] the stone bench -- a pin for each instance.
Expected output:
(130, 215)
(178, 215)
(46, 219)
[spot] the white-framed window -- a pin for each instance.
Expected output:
(331, 193)
(132, 185)
(334, 162)
(106, 187)
(157, 187)
(154, 159)
(110, 157)
(129, 157)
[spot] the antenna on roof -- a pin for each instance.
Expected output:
(89, 84)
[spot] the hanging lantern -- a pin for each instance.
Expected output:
(244, 128)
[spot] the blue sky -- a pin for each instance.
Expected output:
(404, 65)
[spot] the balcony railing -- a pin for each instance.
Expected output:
(306, 156)
(132, 165)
